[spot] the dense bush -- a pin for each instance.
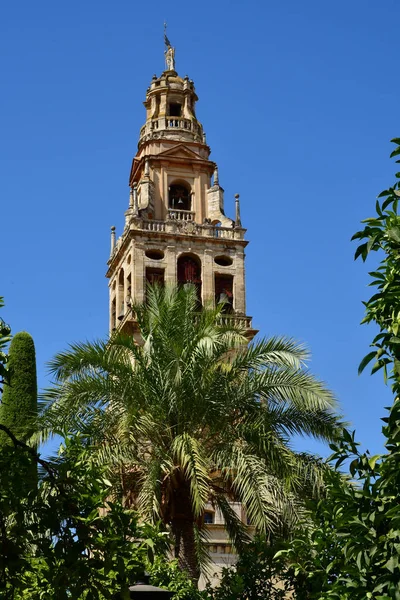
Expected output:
(71, 538)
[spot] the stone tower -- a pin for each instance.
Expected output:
(176, 230)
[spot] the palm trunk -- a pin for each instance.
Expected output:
(182, 524)
(185, 547)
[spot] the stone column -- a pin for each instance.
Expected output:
(138, 274)
(171, 266)
(239, 291)
(208, 277)
(196, 199)
(111, 325)
(119, 293)
(164, 192)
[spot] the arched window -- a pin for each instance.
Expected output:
(179, 197)
(224, 292)
(189, 271)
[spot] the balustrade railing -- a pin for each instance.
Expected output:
(183, 222)
(228, 320)
(237, 321)
(223, 232)
(150, 225)
(169, 123)
(178, 123)
(181, 215)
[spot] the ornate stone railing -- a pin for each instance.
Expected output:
(225, 233)
(237, 321)
(241, 322)
(179, 226)
(177, 123)
(170, 123)
(184, 224)
(150, 225)
(181, 215)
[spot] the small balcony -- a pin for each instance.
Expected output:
(180, 215)
(183, 126)
(183, 222)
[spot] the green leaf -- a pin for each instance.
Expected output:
(386, 203)
(392, 563)
(377, 274)
(395, 152)
(378, 365)
(361, 250)
(394, 234)
(371, 242)
(359, 235)
(365, 361)
(373, 459)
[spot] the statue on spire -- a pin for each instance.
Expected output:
(169, 53)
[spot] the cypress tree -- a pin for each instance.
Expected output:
(19, 401)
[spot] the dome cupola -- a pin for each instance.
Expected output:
(170, 106)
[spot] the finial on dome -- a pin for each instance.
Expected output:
(169, 53)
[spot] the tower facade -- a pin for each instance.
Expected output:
(176, 230)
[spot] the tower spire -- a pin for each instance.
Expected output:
(169, 53)
(176, 230)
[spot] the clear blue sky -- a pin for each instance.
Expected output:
(299, 101)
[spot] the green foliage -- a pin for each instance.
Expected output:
(197, 416)
(5, 337)
(256, 575)
(351, 550)
(18, 409)
(349, 547)
(168, 575)
(382, 234)
(72, 538)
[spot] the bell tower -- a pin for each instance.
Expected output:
(176, 230)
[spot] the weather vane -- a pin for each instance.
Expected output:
(169, 53)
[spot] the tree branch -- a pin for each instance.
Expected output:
(36, 457)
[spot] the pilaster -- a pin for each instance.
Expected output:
(170, 271)
(139, 284)
(208, 277)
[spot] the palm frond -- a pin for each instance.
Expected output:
(236, 529)
(149, 497)
(190, 457)
(202, 539)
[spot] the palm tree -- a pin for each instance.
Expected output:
(195, 415)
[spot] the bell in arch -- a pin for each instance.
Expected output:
(122, 312)
(224, 298)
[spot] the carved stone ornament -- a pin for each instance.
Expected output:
(189, 227)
